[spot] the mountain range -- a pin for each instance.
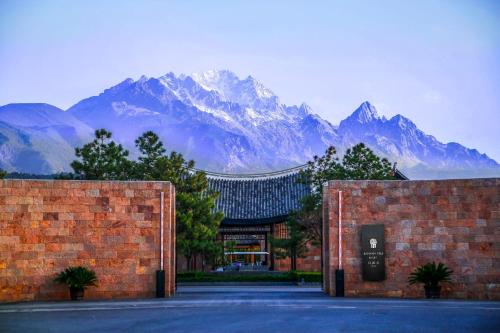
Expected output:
(224, 123)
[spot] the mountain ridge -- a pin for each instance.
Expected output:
(228, 124)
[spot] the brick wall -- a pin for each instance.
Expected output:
(456, 222)
(110, 227)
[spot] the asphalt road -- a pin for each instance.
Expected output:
(253, 309)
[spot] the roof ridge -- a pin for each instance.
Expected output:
(271, 174)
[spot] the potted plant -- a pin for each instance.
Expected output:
(431, 275)
(77, 279)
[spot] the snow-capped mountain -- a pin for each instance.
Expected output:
(417, 153)
(228, 124)
(222, 122)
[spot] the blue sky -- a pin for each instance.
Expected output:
(435, 62)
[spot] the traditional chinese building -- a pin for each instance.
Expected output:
(255, 207)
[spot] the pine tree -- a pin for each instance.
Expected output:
(3, 174)
(102, 159)
(360, 162)
(197, 223)
(151, 149)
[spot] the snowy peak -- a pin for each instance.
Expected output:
(259, 89)
(365, 113)
(364, 118)
(248, 92)
(305, 108)
(402, 122)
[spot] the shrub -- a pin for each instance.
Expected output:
(430, 274)
(293, 276)
(77, 277)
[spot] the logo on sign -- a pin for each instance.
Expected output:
(373, 243)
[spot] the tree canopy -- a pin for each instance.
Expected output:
(359, 162)
(102, 159)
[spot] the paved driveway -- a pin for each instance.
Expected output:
(252, 309)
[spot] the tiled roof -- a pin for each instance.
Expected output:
(259, 198)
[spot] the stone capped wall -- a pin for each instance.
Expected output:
(110, 227)
(456, 222)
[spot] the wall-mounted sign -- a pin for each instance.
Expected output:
(372, 252)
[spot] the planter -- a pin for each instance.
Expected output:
(432, 291)
(76, 293)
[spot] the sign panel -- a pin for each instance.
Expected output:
(372, 252)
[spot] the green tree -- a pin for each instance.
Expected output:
(294, 245)
(214, 254)
(320, 169)
(151, 149)
(3, 174)
(359, 162)
(197, 223)
(102, 159)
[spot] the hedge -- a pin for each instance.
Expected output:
(249, 277)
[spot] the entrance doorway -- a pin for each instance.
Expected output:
(246, 251)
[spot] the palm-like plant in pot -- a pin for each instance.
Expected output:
(431, 275)
(77, 279)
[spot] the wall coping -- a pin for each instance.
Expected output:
(374, 181)
(84, 180)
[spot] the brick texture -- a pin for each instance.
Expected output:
(110, 227)
(456, 222)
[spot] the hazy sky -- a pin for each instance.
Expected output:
(435, 62)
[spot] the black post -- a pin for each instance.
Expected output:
(160, 283)
(339, 283)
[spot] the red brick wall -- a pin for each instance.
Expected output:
(456, 222)
(110, 227)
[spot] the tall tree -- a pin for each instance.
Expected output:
(102, 159)
(197, 223)
(3, 174)
(359, 162)
(151, 149)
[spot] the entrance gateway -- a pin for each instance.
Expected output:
(256, 207)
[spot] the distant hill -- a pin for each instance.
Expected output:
(39, 138)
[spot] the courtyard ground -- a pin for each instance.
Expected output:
(252, 309)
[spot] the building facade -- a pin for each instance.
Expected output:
(256, 207)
